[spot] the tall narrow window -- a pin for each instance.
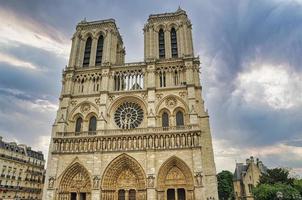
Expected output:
(162, 79)
(179, 119)
(174, 43)
(161, 43)
(87, 52)
(79, 122)
(165, 120)
(92, 124)
(99, 50)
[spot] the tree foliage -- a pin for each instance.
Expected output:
(269, 192)
(277, 180)
(225, 185)
(276, 175)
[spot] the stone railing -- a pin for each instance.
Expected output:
(142, 131)
(155, 140)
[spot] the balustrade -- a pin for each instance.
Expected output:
(127, 142)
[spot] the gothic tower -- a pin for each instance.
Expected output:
(132, 131)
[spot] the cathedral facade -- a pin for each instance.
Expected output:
(132, 131)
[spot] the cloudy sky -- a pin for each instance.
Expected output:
(251, 54)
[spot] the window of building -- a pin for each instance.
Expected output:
(179, 119)
(162, 79)
(99, 50)
(87, 52)
(176, 77)
(92, 124)
(173, 43)
(161, 43)
(79, 122)
(165, 119)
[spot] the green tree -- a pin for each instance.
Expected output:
(298, 185)
(276, 175)
(225, 185)
(269, 191)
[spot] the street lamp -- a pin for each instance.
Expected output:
(279, 195)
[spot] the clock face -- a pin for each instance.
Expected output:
(128, 115)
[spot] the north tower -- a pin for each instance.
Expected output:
(132, 131)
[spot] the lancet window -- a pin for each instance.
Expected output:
(179, 119)
(78, 127)
(92, 124)
(174, 50)
(165, 119)
(99, 50)
(87, 52)
(161, 43)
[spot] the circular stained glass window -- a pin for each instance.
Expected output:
(128, 115)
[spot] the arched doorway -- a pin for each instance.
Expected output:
(124, 179)
(175, 181)
(75, 184)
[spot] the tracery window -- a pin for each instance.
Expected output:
(92, 124)
(179, 119)
(78, 127)
(87, 52)
(129, 115)
(165, 119)
(99, 50)
(174, 50)
(161, 43)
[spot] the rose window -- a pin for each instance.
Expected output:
(128, 115)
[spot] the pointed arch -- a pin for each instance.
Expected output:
(174, 172)
(75, 180)
(124, 172)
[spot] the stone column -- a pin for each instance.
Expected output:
(179, 45)
(93, 51)
(82, 43)
(74, 45)
(168, 44)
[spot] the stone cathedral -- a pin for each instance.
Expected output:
(132, 131)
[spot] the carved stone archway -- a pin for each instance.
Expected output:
(75, 183)
(175, 175)
(125, 174)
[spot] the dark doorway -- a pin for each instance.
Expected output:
(181, 193)
(132, 194)
(82, 196)
(171, 194)
(121, 195)
(73, 196)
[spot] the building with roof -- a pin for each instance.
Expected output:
(22, 171)
(132, 131)
(246, 177)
